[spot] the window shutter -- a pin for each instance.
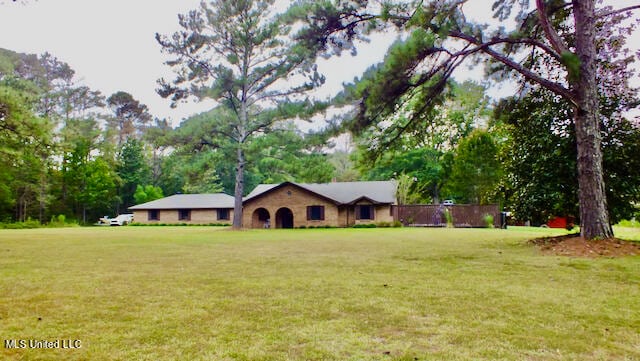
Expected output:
(322, 213)
(357, 211)
(308, 213)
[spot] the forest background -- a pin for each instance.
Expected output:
(70, 150)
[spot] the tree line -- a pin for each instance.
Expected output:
(562, 146)
(67, 149)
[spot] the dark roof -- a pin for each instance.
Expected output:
(340, 192)
(189, 201)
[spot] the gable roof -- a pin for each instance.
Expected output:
(383, 192)
(189, 201)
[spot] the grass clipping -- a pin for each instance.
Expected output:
(573, 245)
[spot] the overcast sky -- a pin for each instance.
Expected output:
(111, 44)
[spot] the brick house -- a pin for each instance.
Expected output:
(340, 204)
(186, 208)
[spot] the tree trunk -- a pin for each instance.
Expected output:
(239, 189)
(594, 216)
(42, 198)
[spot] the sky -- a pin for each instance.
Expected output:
(111, 45)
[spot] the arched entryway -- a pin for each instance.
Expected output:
(261, 218)
(284, 218)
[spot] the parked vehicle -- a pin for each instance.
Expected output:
(448, 202)
(121, 220)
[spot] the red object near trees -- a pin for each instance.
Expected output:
(557, 222)
(561, 222)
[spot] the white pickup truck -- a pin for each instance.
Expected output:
(121, 220)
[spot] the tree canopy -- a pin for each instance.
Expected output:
(554, 46)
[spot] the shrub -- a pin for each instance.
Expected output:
(449, 217)
(396, 224)
(28, 224)
(365, 225)
(488, 220)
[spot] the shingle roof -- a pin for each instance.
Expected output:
(341, 192)
(259, 189)
(189, 201)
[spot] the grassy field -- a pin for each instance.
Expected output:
(199, 293)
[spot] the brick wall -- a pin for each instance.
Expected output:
(169, 216)
(297, 200)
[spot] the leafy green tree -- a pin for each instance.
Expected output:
(476, 170)
(561, 38)
(239, 53)
(62, 118)
(158, 138)
(280, 155)
(171, 178)
(424, 150)
(540, 160)
(200, 172)
(344, 168)
(425, 166)
(147, 193)
(133, 169)
(285, 155)
(100, 190)
(25, 146)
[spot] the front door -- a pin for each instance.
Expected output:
(284, 218)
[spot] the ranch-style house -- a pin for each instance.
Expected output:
(339, 204)
(284, 205)
(186, 208)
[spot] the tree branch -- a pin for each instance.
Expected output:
(528, 74)
(553, 37)
(615, 12)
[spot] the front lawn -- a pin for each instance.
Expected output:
(205, 293)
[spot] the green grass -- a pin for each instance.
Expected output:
(202, 293)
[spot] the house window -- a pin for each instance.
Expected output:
(184, 214)
(364, 212)
(315, 213)
(154, 215)
(223, 214)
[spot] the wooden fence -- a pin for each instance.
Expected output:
(433, 215)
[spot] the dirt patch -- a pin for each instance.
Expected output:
(575, 246)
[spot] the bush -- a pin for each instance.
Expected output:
(396, 224)
(384, 224)
(449, 217)
(488, 220)
(365, 225)
(28, 224)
